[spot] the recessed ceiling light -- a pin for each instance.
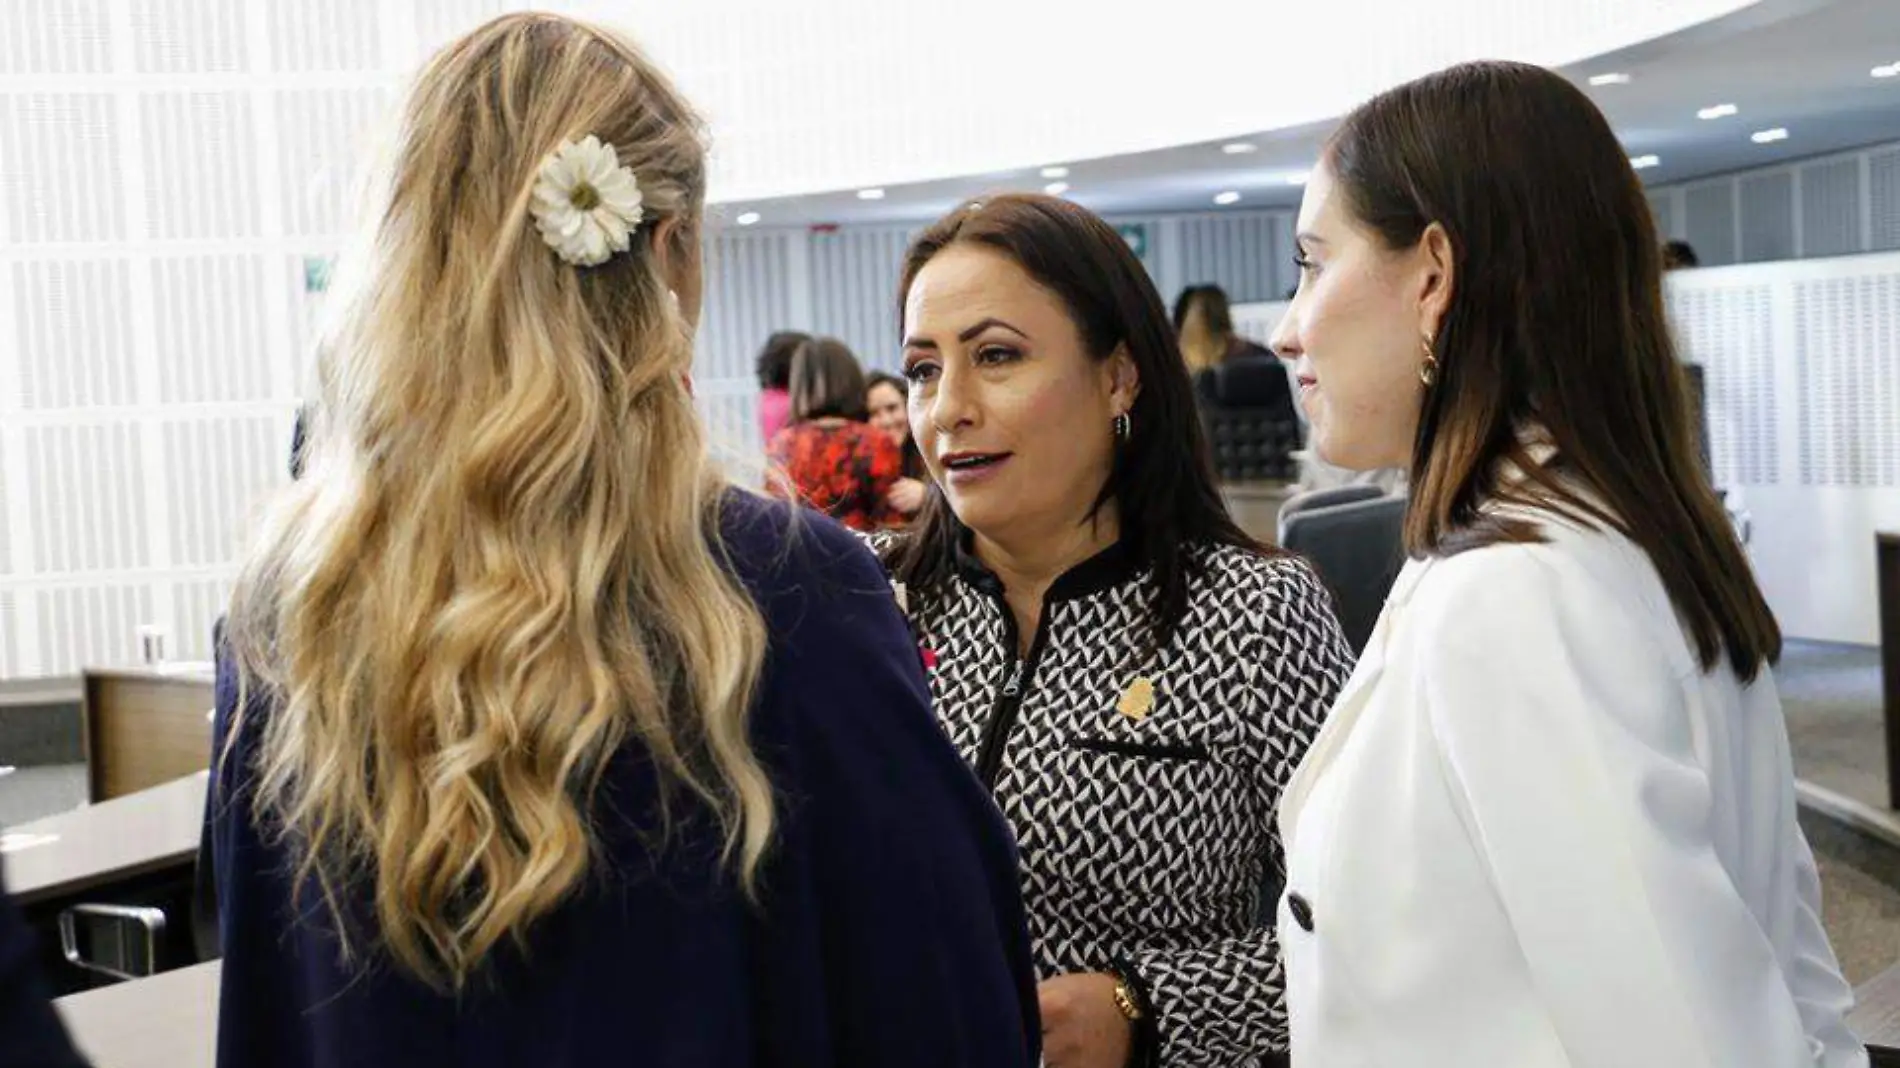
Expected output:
(1615, 78)
(1229, 197)
(1055, 172)
(1056, 189)
(748, 218)
(870, 194)
(1719, 111)
(1239, 148)
(1644, 162)
(1891, 70)
(1298, 179)
(1769, 137)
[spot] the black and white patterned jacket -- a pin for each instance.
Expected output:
(1145, 840)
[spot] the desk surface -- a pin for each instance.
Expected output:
(127, 836)
(166, 1021)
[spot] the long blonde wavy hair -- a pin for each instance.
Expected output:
(501, 563)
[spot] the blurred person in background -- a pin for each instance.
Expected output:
(774, 369)
(886, 398)
(828, 457)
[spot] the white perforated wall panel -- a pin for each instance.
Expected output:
(1710, 222)
(12, 630)
(230, 466)
(83, 626)
(1728, 331)
(55, 37)
(73, 329)
(60, 175)
(1847, 349)
(196, 607)
(325, 35)
(6, 535)
(1831, 208)
(440, 21)
(323, 135)
(1662, 205)
(1767, 206)
(210, 332)
(1883, 199)
(201, 163)
(89, 501)
(189, 36)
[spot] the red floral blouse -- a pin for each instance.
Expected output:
(845, 471)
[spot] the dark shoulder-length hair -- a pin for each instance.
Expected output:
(826, 381)
(774, 363)
(1162, 478)
(1555, 328)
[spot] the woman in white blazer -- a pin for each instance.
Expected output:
(1551, 819)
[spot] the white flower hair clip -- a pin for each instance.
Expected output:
(586, 204)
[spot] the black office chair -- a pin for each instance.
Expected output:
(1246, 407)
(1358, 549)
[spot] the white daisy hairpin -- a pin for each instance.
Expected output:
(586, 204)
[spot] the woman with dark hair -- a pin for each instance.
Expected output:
(828, 457)
(1551, 822)
(1130, 674)
(774, 368)
(887, 400)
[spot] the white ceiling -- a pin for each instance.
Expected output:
(1800, 64)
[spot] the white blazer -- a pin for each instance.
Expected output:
(1535, 834)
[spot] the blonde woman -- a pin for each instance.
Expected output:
(539, 744)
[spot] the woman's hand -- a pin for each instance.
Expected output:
(906, 496)
(1081, 1027)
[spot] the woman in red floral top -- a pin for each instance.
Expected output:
(828, 457)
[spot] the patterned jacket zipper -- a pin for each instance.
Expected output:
(989, 758)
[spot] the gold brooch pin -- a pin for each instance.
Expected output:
(1138, 700)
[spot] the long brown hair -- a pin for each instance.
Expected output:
(1162, 479)
(1556, 323)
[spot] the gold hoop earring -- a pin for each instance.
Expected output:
(1428, 371)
